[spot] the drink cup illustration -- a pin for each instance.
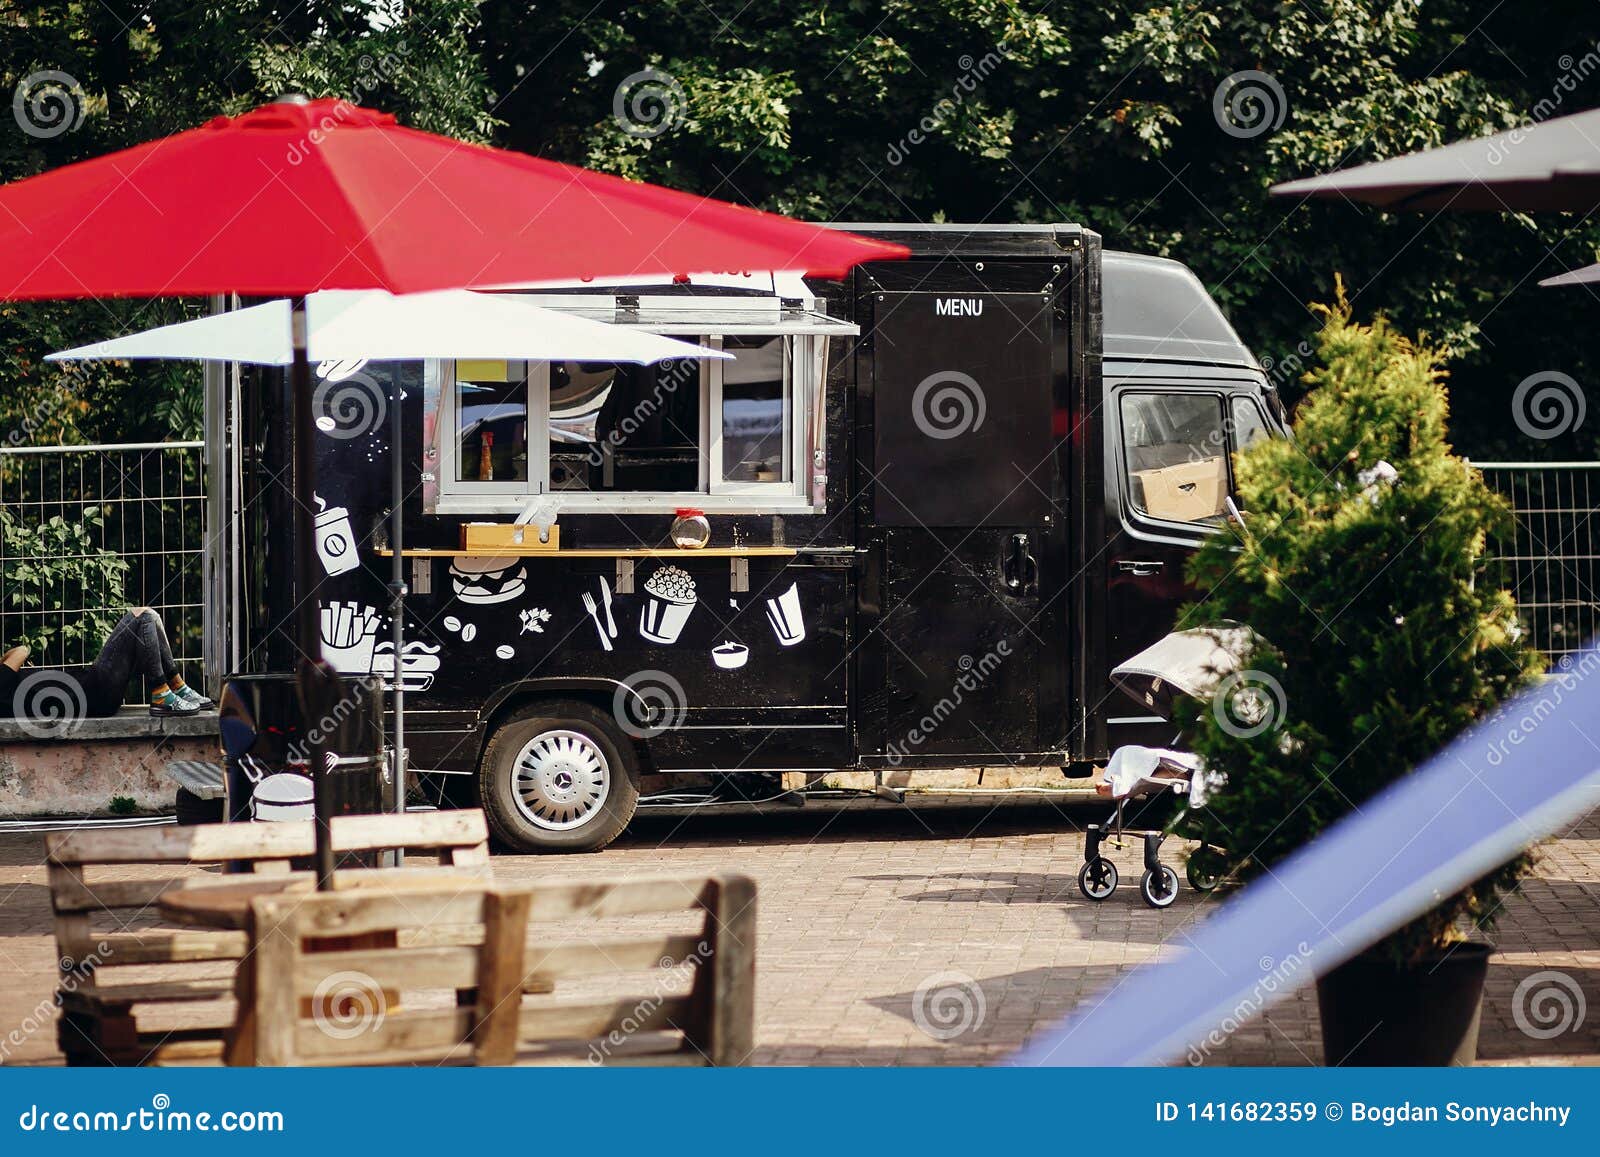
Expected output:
(349, 631)
(336, 540)
(669, 600)
(784, 614)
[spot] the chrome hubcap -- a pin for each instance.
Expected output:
(560, 780)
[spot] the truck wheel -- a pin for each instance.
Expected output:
(559, 777)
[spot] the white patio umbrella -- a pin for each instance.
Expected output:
(379, 326)
(351, 325)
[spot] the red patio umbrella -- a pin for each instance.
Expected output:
(298, 196)
(291, 198)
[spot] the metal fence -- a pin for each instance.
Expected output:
(88, 531)
(1549, 561)
(144, 504)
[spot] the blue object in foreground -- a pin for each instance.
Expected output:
(1500, 787)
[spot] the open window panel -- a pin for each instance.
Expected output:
(740, 435)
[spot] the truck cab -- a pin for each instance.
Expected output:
(1182, 395)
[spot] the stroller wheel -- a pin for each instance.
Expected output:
(1202, 869)
(1159, 889)
(1097, 879)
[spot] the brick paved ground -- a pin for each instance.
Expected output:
(860, 908)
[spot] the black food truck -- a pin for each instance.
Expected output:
(912, 522)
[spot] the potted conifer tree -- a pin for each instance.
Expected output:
(1358, 564)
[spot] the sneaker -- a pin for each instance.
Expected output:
(169, 702)
(194, 699)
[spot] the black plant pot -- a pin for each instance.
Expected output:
(1374, 1013)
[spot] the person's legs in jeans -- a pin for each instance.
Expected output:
(138, 646)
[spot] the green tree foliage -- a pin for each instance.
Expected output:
(1382, 639)
(1105, 114)
(144, 71)
(928, 110)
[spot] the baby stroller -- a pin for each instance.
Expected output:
(1189, 663)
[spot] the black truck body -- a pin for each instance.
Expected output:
(930, 539)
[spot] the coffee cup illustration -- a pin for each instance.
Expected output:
(336, 539)
(669, 601)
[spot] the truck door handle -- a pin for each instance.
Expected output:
(1019, 568)
(1140, 567)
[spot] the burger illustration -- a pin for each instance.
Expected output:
(419, 663)
(487, 580)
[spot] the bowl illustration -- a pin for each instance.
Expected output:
(730, 656)
(283, 796)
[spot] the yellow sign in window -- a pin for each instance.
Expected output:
(482, 370)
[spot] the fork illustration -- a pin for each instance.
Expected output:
(594, 613)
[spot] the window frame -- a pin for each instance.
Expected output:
(452, 496)
(1251, 400)
(797, 351)
(1124, 472)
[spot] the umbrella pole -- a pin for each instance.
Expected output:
(397, 600)
(314, 672)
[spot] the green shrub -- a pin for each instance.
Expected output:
(1381, 640)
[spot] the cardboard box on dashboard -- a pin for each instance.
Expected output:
(1186, 492)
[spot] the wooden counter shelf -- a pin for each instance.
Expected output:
(601, 552)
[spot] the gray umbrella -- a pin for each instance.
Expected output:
(1588, 275)
(1551, 166)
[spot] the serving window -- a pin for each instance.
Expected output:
(720, 435)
